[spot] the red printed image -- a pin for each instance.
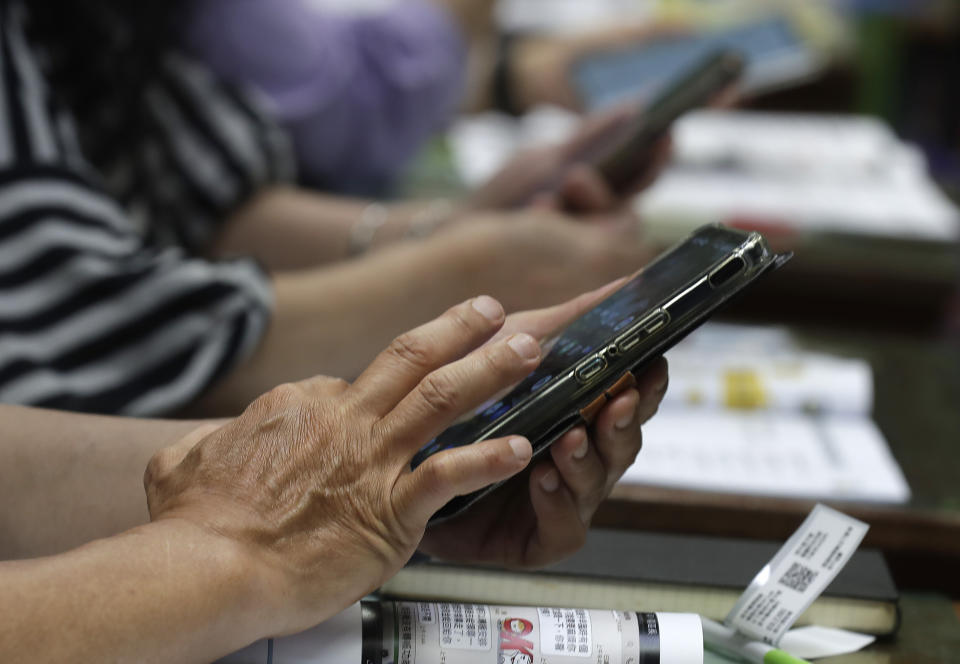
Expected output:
(514, 648)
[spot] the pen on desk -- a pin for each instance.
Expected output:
(724, 640)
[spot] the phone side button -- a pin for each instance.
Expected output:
(589, 414)
(626, 381)
(658, 321)
(629, 342)
(590, 368)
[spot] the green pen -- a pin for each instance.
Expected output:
(724, 640)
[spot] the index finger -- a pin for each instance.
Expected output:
(541, 323)
(413, 355)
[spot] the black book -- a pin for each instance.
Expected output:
(655, 572)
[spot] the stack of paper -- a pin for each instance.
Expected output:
(819, 173)
(810, 173)
(749, 412)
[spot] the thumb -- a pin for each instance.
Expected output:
(457, 472)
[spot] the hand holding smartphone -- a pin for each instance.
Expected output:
(596, 356)
(622, 165)
(625, 156)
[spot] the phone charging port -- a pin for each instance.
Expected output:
(727, 271)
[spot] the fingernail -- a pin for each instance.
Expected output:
(521, 448)
(525, 346)
(488, 308)
(581, 450)
(550, 482)
(626, 420)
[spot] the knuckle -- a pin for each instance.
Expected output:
(461, 319)
(439, 394)
(280, 396)
(411, 349)
(337, 385)
(434, 476)
(490, 459)
(497, 360)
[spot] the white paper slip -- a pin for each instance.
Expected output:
(815, 641)
(786, 454)
(798, 573)
(810, 642)
(336, 641)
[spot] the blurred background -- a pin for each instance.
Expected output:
(838, 379)
(844, 147)
(847, 143)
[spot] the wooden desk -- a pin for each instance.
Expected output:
(917, 406)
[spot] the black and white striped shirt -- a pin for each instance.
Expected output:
(105, 305)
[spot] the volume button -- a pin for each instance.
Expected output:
(628, 343)
(656, 323)
(590, 368)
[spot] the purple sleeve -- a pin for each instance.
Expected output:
(359, 94)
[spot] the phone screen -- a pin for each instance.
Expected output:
(771, 48)
(673, 272)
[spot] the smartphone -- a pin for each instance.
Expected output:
(597, 356)
(777, 52)
(707, 77)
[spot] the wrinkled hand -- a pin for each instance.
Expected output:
(313, 480)
(543, 516)
(564, 175)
